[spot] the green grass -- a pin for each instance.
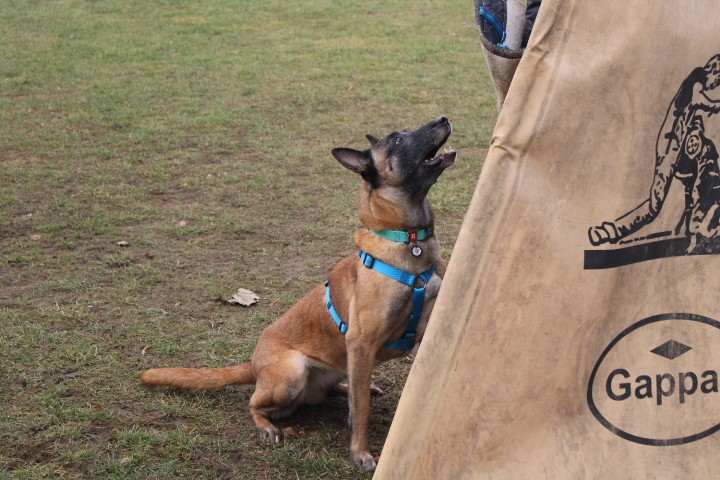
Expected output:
(199, 133)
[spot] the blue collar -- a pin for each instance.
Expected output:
(407, 341)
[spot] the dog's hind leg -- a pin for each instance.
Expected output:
(278, 392)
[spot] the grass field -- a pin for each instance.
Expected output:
(199, 133)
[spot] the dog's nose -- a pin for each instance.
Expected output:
(442, 120)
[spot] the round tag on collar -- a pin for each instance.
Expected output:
(416, 251)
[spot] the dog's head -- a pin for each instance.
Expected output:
(405, 161)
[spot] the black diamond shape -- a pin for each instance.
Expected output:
(671, 349)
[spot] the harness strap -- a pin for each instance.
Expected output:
(407, 341)
(333, 312)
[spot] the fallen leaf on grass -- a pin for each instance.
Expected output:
(242, 297)
(122, 243)
(35, 237)
(181, 223)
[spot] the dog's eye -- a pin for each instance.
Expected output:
(398, 140)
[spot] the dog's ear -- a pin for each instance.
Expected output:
(372, 139)
(358, 161)
(355, 160)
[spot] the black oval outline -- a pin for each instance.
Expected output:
(629, 436)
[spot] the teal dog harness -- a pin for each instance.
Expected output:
(407, 341)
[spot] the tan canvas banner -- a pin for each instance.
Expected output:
(577, 331)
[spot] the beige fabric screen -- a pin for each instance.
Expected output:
(576, 334)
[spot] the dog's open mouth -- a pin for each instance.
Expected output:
(443, 160)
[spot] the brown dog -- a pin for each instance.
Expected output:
(373, 307)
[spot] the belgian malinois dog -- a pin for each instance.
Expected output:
(373, 307)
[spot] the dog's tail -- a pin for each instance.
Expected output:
(199, 379)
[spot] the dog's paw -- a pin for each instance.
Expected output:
(270, 434)
(365, 461)
(343, 389)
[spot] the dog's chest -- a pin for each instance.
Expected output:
(432, 288)
(399, 301)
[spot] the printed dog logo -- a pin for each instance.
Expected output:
(373, 307)
(686, 154)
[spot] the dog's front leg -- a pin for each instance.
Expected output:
(361, 358)
(440, 267)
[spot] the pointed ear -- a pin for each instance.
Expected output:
(355, 160)
(372, 139)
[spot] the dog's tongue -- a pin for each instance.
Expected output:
(447, 158)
